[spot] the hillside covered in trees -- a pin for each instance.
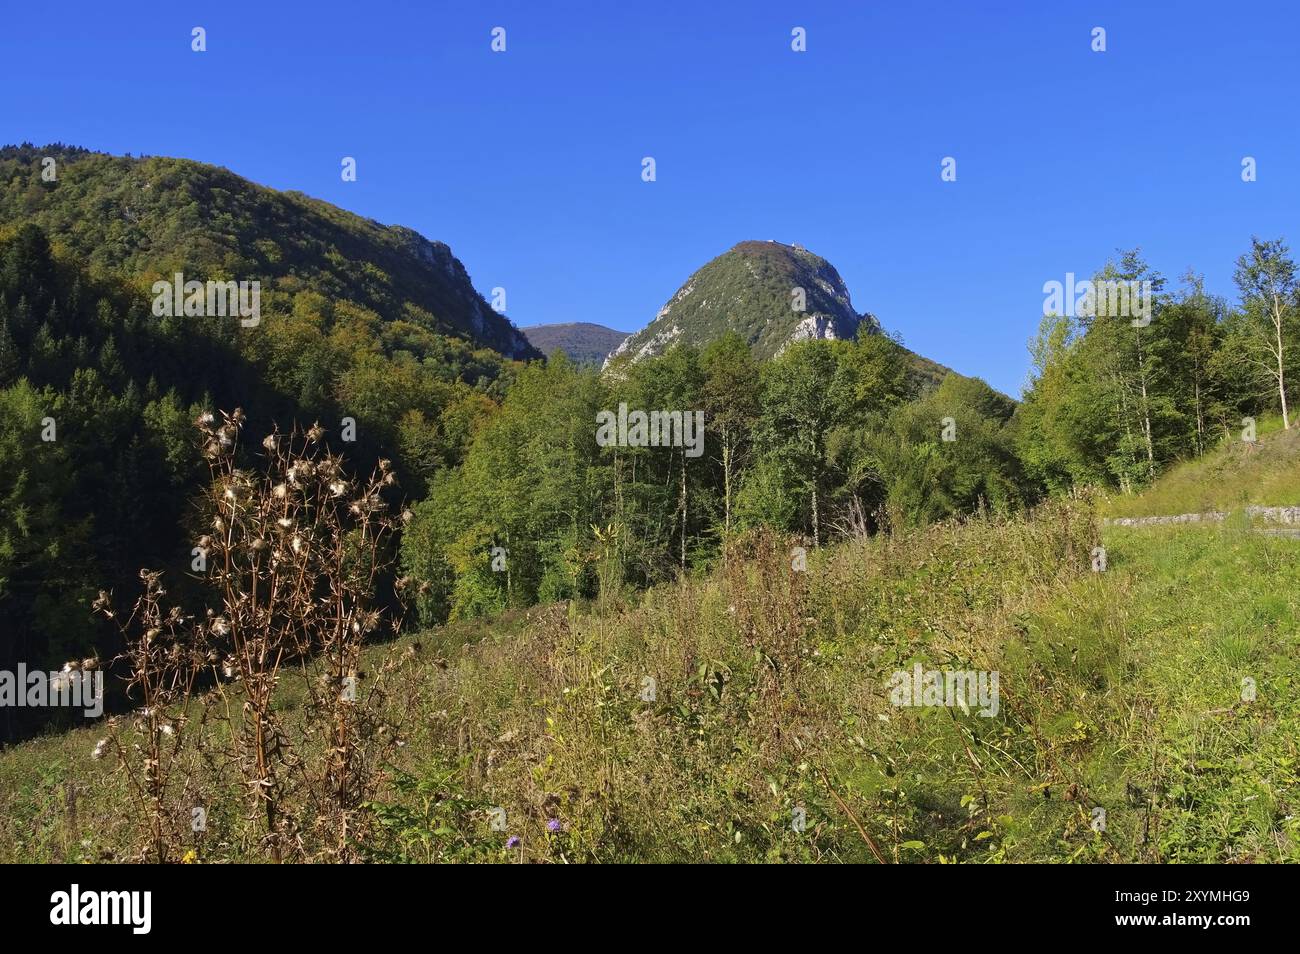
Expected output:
(148, 217)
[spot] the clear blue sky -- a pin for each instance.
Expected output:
(527, 163)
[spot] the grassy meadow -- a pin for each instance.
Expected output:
(694, 721)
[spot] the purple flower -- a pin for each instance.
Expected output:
(512, 841)
(553, 825)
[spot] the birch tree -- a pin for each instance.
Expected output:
(1266, 277)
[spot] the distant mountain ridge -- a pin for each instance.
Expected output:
(152, 216)
(583, 341)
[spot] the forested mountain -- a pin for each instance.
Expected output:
(584, 342)
(769, 294)
(751, 290)
(145, 218)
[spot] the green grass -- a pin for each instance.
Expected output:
(1142, 670)
(1121, 690)
(770, 687)
(1226, 478)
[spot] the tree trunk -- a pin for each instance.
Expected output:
(1146, 432)
(683, 505)
(1146, 409)
(817, 539)
(1200, 421)
(1281, 370)
(726, 480)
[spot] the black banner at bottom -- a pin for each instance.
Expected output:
(141, 905)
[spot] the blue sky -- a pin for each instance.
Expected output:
(527, 163)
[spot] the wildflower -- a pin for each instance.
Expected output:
(168, 730)
(512, 841)
(220, 626)
(338, 488)
(553, 825)
(315, 433)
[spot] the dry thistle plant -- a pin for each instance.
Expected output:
(295, 554)
(165, 661)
